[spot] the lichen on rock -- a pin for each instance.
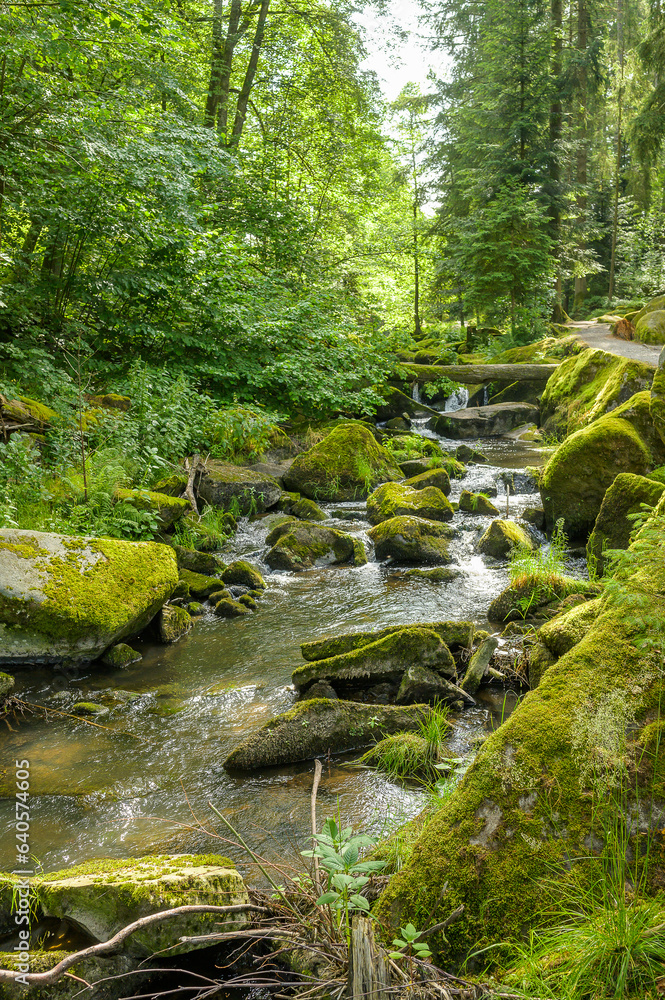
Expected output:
(300, 545)
(398, 499)
(502, 537)
(412, 540)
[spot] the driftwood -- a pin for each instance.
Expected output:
(479, 374)
(109, 947)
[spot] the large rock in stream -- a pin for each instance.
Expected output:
(232, 486)
(69, 598)
(398, 499)
(300, 545)
(412, 540)
(320, 726)
(485, 421)
(613, 526)
(346, 465)
(529, 808)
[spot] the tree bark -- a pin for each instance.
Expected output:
(248, 83)
(479, 374)
(581, 175)
(617, 178)
(556, 129)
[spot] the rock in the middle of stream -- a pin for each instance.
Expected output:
(298, 545)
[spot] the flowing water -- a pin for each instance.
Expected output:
(134, 786)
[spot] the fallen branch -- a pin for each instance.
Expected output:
(110, 946)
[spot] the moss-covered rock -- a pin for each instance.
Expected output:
(412, 540)
(104, 895)
(238, 489)
(534, 516)
(637, 411)
(89, 708)
(119, 656)
(6, 685)
(173, 485)
(465, 453)
(478, 664)
(173, 623)
(657, 400)
(524, 598)
(581, 470)
(166, 508)
(398, 499)
(502, 537)
(525, 810)
(588, 386)
(438, 478)
(477, 503)
(240, 573)
(111, 401)
(651, 306)
(346, 465)
(383, 660)
(27, 411)
(301, 545)
(540, 659)
(412, 751)
(420, 685)
(248, 601)
(301, 508)
(613, 526)
(484, 421)
(440, 574)
(71, 598)
(650, 329)
(199, 585)
(204, 563)
(226, 607)
(456, 635)
(106, 976)
(319, 726)
(568, 629)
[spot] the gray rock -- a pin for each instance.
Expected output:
(419, 684)
(484, 421)
(302, 545)
(225, 485)
(412, 540)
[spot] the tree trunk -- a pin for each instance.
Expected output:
(617, 179)
(248, 83)
(581, 178)
(556, 129)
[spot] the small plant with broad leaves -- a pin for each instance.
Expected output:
(409, 945)
(338, 853)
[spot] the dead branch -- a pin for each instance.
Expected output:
(108, 947)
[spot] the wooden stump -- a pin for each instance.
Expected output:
(369, 976)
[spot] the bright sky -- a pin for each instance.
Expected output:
(399, 62)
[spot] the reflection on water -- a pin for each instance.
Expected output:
(134, 786)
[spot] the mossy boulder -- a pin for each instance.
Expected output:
(301, 507)
(173, 623)
(6, 685)
(484, 421)
(204, 563)
(528, 595)
(107, 976)
(613, 526)
(568, 629)
(465, 453)
(650, 329)
(438, 478)
(502, 537)
(27, 411)
(104, 895)
(383, 660)
(412, 540)
(173, 485)
(111, 401)
(70, 598)
(657, 399)
(166, 508)
(477, 503)
(226, 607)
(584, 466)
(347, 465)
(527, 810)
(238, 489)
(301, 545)
(440, 574)
(420, 685)
(199, 585)
(320, 726)
(456, 635)
(241, 573)
(119, 656)
(588, 386)
(653, 305)
(398, 499)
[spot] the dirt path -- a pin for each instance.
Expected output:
(598, 335)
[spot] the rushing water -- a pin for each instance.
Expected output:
(133, 787)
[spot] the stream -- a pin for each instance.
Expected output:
(133, 787)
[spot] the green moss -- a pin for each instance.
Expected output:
(613, 527)
(385, 659)
(440, 574)
(397, 500)
(39, 411)
(476, 503)
(111, 401)
(300, 545)
(199, 584)
(502, 537)
(412, 539)
(120, 656)
(346, 465)
(168, 508)
(588, 386)
(568, 629)
(433, 477)
(95, 589)
(242, 574)
(228, 608)
(657, 403)
(528, 594)
(580, 471)
(174, 622)
(248, 601)
(650, 329)
(173, 486)
(456, 635)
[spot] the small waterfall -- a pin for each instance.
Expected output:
(486, 395)
(457, 401)
(415, 393)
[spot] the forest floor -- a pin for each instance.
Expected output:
(598, 335)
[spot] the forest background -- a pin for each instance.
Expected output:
(209, 206)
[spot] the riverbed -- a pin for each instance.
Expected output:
(134, 783)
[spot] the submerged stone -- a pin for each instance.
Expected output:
(121, 655)
(173, 623)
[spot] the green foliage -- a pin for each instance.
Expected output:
(409, 946)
